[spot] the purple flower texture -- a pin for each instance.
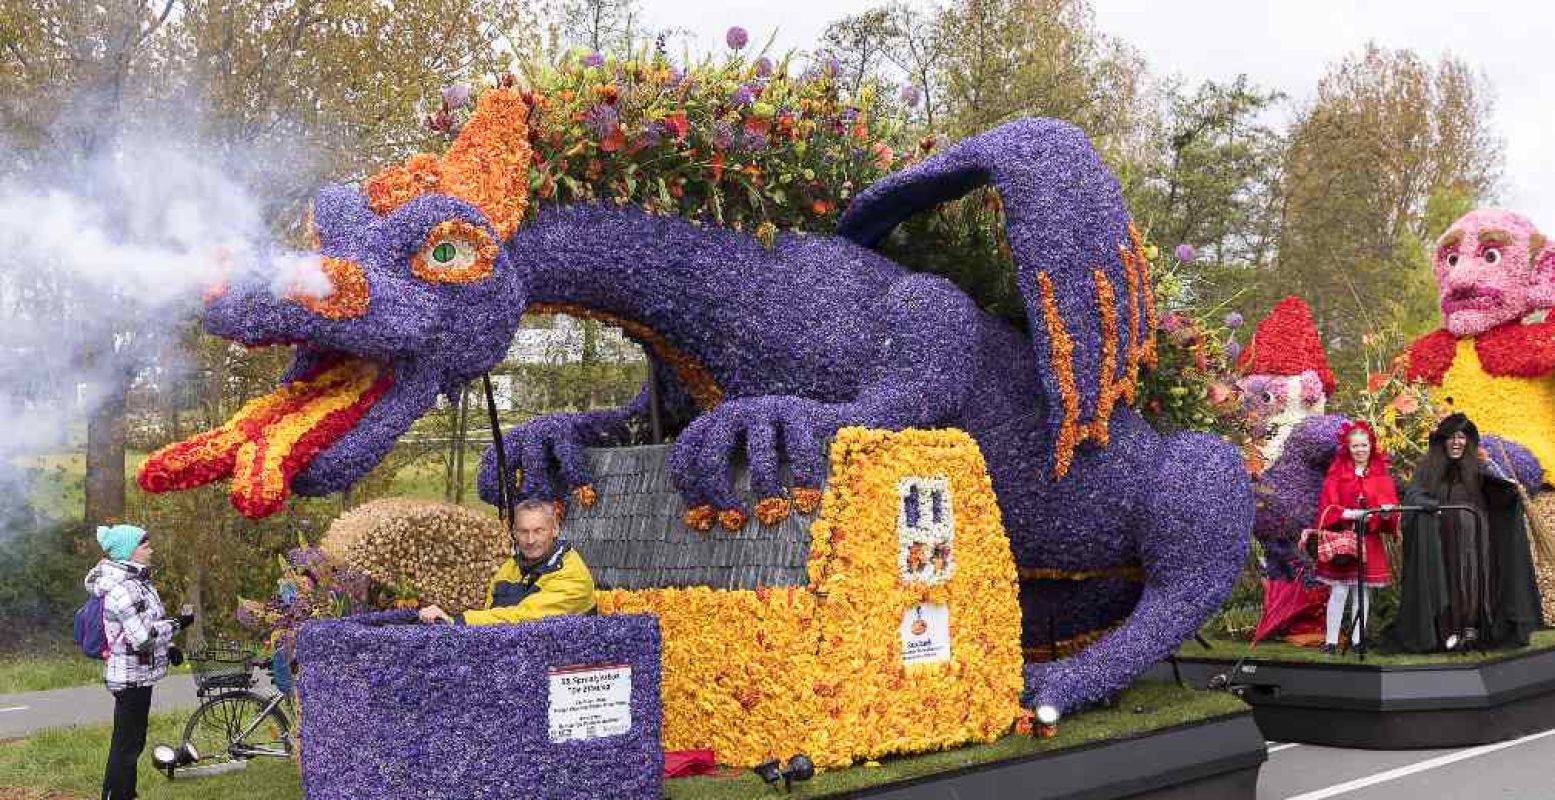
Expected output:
(763, 67)
(602, 120)
(397, 709)
(777, 347)
(593, 60)
(909, 95)
(1234, 320)
(456, 96)
(736, 38)
(1185, 253)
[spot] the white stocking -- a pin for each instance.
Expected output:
(1338, 598)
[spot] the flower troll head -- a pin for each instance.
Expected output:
(1492, 267)
(421, 298)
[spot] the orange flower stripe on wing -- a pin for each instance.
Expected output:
(699, 382)
(1135, 353)
(1110, 387)
(1151, 321)
(1061, 354)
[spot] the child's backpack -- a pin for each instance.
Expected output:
(90, 633)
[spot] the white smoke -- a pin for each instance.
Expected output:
(103, 264)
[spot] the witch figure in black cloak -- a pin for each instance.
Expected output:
(1464, 585)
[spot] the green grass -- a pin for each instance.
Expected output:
(53, 668)
(1163, 705)
(71, 760)
(1231, 650)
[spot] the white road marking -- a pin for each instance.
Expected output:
(1277, 748)
(1417, 767)
(14, 708)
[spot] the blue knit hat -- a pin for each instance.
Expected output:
(119, 541)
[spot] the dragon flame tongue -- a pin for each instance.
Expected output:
(272, 438)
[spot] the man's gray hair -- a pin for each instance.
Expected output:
(536, 504)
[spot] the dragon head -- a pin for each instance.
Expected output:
(420, 298)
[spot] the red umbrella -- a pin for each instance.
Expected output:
(1291, 604)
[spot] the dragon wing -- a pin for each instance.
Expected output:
(1080, 264)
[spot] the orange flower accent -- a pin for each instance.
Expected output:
(586, 495)
(732, 519)
(698, 381)
(1406, 404)
(487, 166)
(1024, 722)
(700, 518)
(1376, 381)
(772, 510)
(350, 297)
(474, 254)
(806, 499)
(1148, 357)
(1061, 355)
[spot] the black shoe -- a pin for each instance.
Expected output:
(1358, 647)
(1328, 649)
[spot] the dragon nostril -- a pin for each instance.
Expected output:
(214, 291)
(348, 295)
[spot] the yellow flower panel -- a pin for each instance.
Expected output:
(818, 669)
(1520, 409)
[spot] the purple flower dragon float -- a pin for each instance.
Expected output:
(764, 353)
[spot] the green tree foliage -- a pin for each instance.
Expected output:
(1389, 149)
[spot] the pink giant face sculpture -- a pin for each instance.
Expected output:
(1492, 267)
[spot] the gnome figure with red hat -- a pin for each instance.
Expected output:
(1286, 378)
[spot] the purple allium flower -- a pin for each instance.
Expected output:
(909, 95)
(602, 120)
(1233, 350)
(723, 135)
(593, 60)
(676, 75)
(1234, 320)
(849, 114)
(754, 140)
(742, 96)
(1185, 253)
(650, 135)
(830, 66)
(763, 67)
(736, 38)
(456, 96)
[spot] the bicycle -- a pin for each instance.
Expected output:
(234, 723)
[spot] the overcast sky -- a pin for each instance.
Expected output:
(1280, 44)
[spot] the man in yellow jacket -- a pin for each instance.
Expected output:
(544, 578)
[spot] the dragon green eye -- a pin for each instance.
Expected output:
(444, 252)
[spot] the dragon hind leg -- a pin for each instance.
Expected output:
(1192, 541)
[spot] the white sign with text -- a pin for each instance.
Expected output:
(925, 634)
(590, 701)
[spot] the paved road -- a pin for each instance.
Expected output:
(1520, 769)
(21, 714)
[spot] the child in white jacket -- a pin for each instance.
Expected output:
(139, 638)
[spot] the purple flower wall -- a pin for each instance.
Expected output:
(398, 710)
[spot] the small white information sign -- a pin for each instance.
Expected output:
(925, 634)
(590, 701)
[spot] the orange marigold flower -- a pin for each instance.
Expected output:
(772, 510)
(806, 499)
(732, 519)
(586, 495)
(700, 518)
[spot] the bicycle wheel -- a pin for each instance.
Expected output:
(216, 726)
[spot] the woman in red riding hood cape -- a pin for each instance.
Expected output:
(1357, 479)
